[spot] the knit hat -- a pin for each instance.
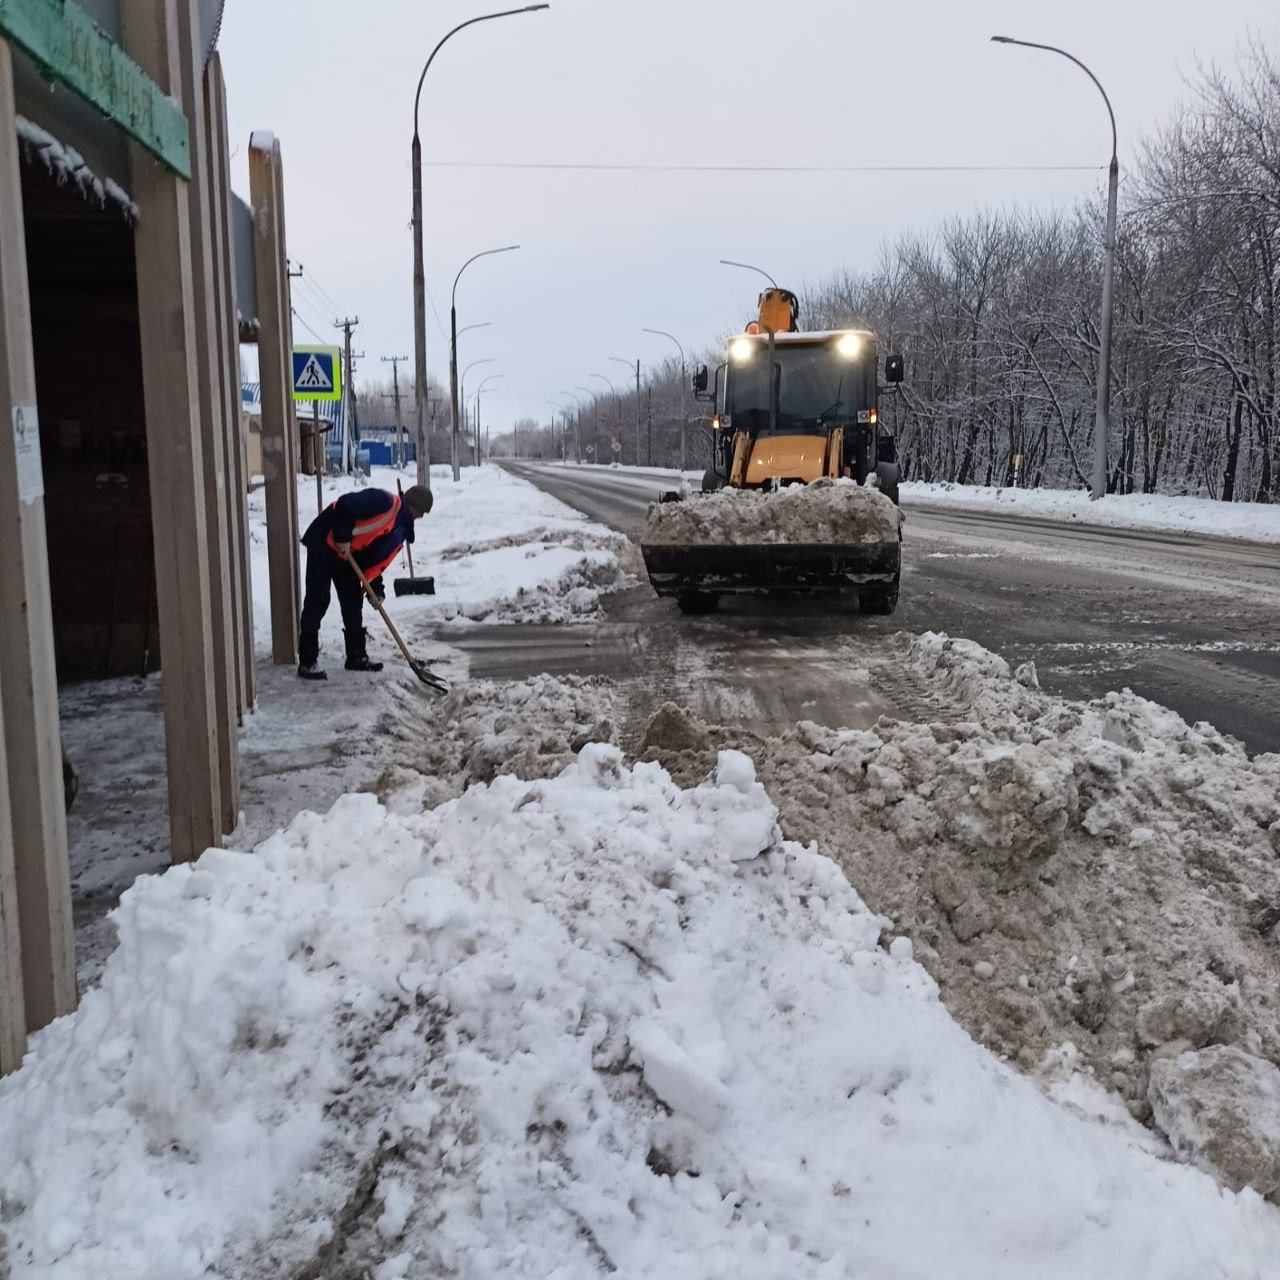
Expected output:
(419, 499)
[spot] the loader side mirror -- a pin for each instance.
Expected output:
(893, 368)
(700, 380)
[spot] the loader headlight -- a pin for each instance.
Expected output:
(741, 350)
(849, 345)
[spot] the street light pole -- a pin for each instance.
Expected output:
(639, 415)
(1102, 416)
(475, 443)
(577, 422)
(462, 382)
(617, 410)
(419, 274)
(595, 410)
(453, 351)
(684, 388)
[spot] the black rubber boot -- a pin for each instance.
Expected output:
(357, 654)
(309, 656)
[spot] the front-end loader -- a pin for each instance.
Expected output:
(802, 491)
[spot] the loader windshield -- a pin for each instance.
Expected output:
(817, 389)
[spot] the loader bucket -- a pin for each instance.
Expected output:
(711, 569)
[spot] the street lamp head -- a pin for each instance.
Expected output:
(746, 266)
(1003, 40)
(533, 8)
(484, 253)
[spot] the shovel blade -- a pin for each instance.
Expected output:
(428, 677)
(414, 586)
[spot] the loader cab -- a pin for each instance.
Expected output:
(820, 381)
(814, 413)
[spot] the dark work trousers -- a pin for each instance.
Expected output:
(325, 567)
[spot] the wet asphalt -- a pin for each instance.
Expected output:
(1189, 621)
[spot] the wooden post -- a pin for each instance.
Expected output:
(286, 357)
(175, 455)
(212, 416)
(13, 1015)
(317, 452)
(33, 841)
(279, 454)
(229, 352)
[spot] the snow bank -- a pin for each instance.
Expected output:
(1221, 1110)
(1102, 874)
(827, 511)
(588, 1025)
(1252, 521)
(482, 728)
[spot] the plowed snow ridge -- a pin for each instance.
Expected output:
(826, 511)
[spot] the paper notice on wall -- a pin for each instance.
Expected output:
(26, 450)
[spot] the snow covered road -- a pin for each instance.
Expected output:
(1188, 619)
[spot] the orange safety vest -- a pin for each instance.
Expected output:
(368, 532)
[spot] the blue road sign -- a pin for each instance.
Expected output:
(317, 373)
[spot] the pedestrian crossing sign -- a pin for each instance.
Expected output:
(317, 373)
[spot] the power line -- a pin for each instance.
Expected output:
(302, 320)
(434, 312)
(324, 293)
(308, 304)
(314, 296)
(765, 168)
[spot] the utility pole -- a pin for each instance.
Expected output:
(649, 428)
(395, 362)
(346, 325)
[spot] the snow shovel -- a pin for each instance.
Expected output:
(411, 586)
(416, 665)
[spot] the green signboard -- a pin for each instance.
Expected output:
(70, 48)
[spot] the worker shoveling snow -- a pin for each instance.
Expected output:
(826, 511)
(581, 1026)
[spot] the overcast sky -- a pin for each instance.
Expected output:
(727, 82)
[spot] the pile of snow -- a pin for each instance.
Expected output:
(1252, 521)
(581, 1026)
(528, 729)
(542, 574)
(826, 511)
(1101, 875)
(1220, 1108)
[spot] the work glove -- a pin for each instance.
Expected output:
(379, 589)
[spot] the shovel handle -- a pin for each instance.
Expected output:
(415, 665)
(407, 550)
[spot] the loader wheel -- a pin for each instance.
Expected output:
(881, 602)
(697, 602)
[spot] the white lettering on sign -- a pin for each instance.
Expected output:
(26, 451)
